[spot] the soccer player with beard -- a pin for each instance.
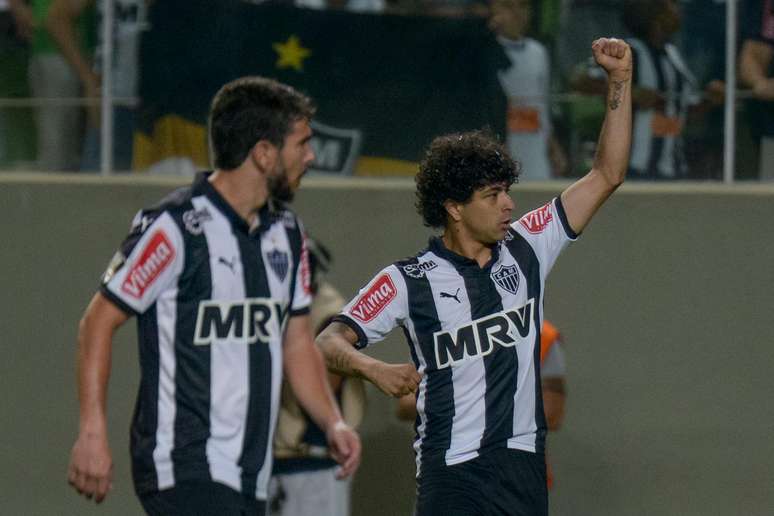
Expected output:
(220, 285)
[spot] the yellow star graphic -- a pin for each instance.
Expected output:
(291, 54)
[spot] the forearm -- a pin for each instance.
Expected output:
(94, 361)
(612, 156)
(342, 358)
(306, 373)
(60, 23)
(754, 62)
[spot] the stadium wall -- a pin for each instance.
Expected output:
(665, 303)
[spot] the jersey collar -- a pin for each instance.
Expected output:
(462, 263)
(202, 186)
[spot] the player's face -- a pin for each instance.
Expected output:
(509, 18)
(295, 156)
(487, 216)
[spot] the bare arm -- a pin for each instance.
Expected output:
(642, 98)
(584, 197)
(60, 23)
(91, 466)
(754, 62)
(305, 371)
(337, 343)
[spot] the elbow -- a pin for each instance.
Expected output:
(617, 179)
(326, 347)
(613, 177)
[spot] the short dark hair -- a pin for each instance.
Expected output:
(455, 166)
(248, 110)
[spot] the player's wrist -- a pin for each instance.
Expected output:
(620, 76)
(336, 424)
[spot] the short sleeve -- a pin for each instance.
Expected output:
(378, 308)
(148, 262)
(547, 231)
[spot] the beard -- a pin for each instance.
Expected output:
(280, 189)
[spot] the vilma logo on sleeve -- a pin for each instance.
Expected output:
(370, 304)
(156, 257)
(537, 220)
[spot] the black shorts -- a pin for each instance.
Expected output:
(501, 482)
(198, 498)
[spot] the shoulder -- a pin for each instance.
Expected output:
(415, 266)
(177, 200)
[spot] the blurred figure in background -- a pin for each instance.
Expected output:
(304, 479)
(129, 21)
(59, 129)
(664, 91)
(527, 84)
(756, 70)
(17, 131)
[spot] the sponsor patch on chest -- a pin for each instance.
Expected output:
(376, 299)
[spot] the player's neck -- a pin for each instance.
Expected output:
(244, 190)
(459, 241)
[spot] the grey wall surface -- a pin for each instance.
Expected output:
(665, 303)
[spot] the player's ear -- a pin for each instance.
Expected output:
(264, 155)
(453, 209)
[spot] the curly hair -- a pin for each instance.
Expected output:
(455, 166)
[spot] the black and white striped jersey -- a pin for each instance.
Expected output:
(212, 299)
(474, 333)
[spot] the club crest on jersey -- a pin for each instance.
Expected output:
(483, 336)
(193, 220)
(156, 257)
(537, 220)
(279, 262)
(418, 270)
(239, 322)
(507, 276)
(376, 299)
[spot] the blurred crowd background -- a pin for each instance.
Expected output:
(387, 75)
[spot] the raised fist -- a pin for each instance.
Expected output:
(615, 56)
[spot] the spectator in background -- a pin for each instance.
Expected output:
(51, 76)
(17, 139)
(664, 90)
(702, 40)
(756, 67)
(304, 479)
(527, 84)
(129, 19)
(553, 370)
